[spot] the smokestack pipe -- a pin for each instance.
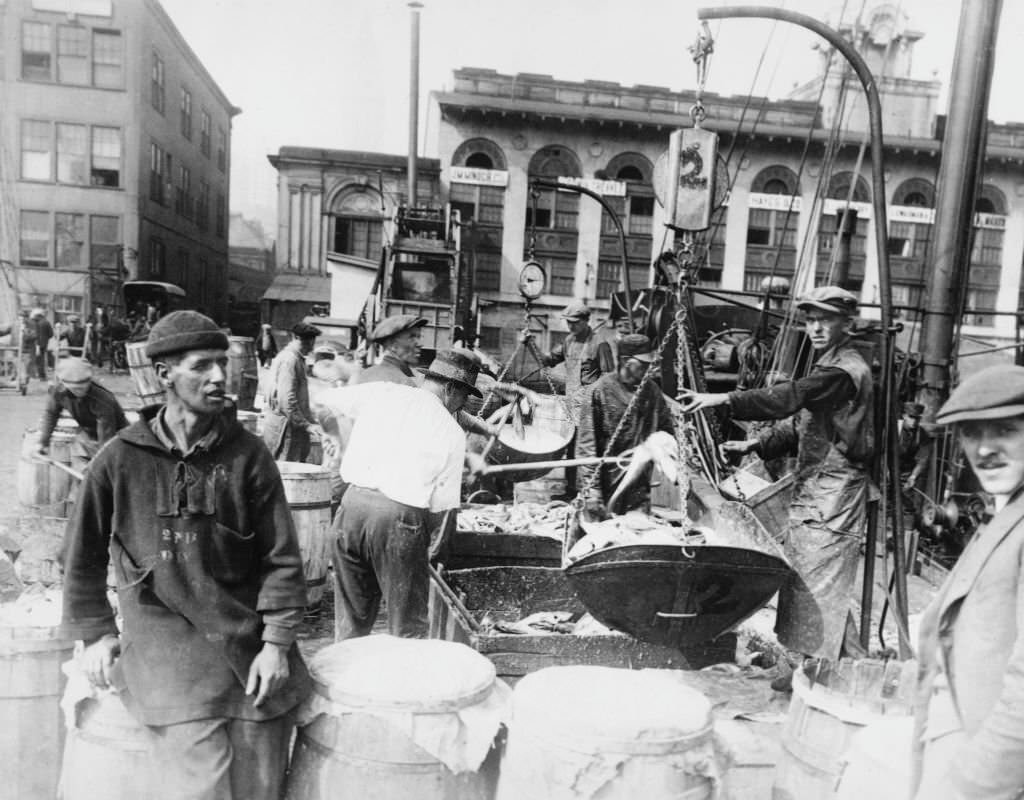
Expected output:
(414, 96)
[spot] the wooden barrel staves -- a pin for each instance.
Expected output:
(243, 370)
(308, 490)
(42, 486)
(379, 728)
(148, 386)
(32, 733)
(831, 703)
(106, 755)
(649, 736)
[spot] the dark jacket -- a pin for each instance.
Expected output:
(98, 413)
(204, 552)
(604, 405)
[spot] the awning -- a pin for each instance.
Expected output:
(299, 288)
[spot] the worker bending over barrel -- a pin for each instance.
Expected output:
(190, 508)
(827, 418)
(94, 408)
(969, 703)
(403, 470)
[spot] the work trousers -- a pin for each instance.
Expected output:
(380, 550)
(220, 759)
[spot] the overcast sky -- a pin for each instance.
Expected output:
(334, 73)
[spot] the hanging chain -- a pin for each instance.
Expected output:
(701, 50)
(532, 247)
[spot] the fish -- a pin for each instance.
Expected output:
(543, 622)
(659, 448)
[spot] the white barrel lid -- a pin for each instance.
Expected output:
(384, 672)
(606, 709)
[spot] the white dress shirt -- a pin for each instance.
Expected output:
(404, 443)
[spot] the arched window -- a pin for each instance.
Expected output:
(552, 217)
(480, 161)
(772, 223)
(482, 211)
(636, 214)
(986, 255)
(831, 224)
(480, 153)
(358, 224)
(909, 237)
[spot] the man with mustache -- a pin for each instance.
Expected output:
(190, 508)
(969, 704)
(826, 417)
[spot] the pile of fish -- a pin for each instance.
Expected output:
(545, 623)
(536, 519)
(634, 527)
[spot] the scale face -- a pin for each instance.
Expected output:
(532, 279)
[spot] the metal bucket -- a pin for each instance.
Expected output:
(551, 423)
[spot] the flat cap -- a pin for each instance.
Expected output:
(305, 331)
(638, 346)
(576, 310)
(993, 393)
(73, 370)
(184, 330)
(833, 299)
(393, 325)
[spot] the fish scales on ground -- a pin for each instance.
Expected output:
(537, 519)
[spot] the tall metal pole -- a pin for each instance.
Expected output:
(414, 96)
(886, 419)
(963, 150)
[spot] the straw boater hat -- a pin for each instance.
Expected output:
(833, 299)
(455, 366)
(993, 393)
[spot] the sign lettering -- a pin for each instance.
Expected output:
(609, 188)
(479, 177)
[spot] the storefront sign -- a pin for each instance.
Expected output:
(774, 202)
(479, 177)
(831, 206)
(609, 188)
(925, 216)
(990, 221)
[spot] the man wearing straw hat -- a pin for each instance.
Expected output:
(827, 418)
(190, 509)
(969, 703)
(403, 468)
(94, 408)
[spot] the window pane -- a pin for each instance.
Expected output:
(71, 154)
(36, 51)
(107, 60)
(69, 237)
(488, 272)
(35, 238)
(106, 157)
(35, 151)
(72, 55)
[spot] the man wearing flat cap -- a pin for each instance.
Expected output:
(826, 417)
(603, 409)
(288, 420)
(403, 468)
(969, 703)
(914, 444)
(189, 508)
(399, 338)
(94, 408)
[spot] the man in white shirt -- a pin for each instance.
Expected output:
(403, 467)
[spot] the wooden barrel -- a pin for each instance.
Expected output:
(148, 387)
(648, 736)
(316, 449)
(42, 486)
(106, 756)
(828, 707)
(242, 370)
(308, 490)
(32, 733)
(398, 719)
(878, 761)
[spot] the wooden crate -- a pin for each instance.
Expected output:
(459, 601)
(471, 549)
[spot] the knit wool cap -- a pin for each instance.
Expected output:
(993, 393)
(184, 330)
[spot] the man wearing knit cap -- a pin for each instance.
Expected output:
(827, 418)
(403, 468)
(969, 703)
(603, 409)
(287, 419)
(190, 509)
(94, 408)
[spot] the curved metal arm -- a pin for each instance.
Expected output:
(569, 187)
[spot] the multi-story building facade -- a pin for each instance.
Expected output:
(250, 273)
(114, 156)
(793, 167)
